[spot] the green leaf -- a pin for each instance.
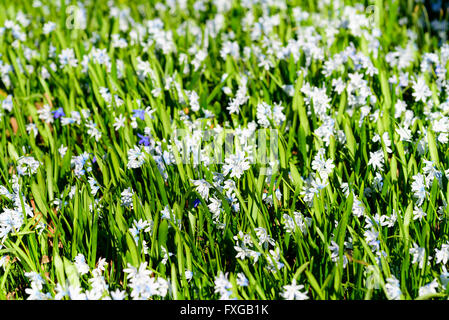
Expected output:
(71, 272)
(433, 147)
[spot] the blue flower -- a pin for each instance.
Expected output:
(144, 140)
(58, 113)
(139, 113)
(196, 203)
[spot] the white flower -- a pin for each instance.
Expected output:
(27, 166)
(76, 293)
(93, 130)
(32, 129)
(431, 172)
(35, 279)
(214, 206)
(267, 113)
(242, 281)
(127, 198)
(136, 157)
(240, 97)
(72, 192)
(430, 288)
(420, 90)
(80, 164)
(45, 114)
(223, 286)
(273, 258)
(418, 213)
(194, 101)
(61, 291)
(165, 255)
(393, 288)
(81, 265)
(10, 220)
(338, 85)
(143, 285)
(236, 164)
(322, 166)
(7, 104)
(418, 255)
(358, 209)
(387, 141)
(202, 187)
(94, 187)
(49, 27)
(67, 57)
(119, 122)
(298, 221)
(404, 134)
(293, 292)
(335, 249)
(143, 69)
(442, 255)
(4, 261)
(62, 150)
(118, 294)
(168, 214)
(419, 188)
(444, 277)
(399, 108)
(264, 238)
(376, 159)
(145, 226)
